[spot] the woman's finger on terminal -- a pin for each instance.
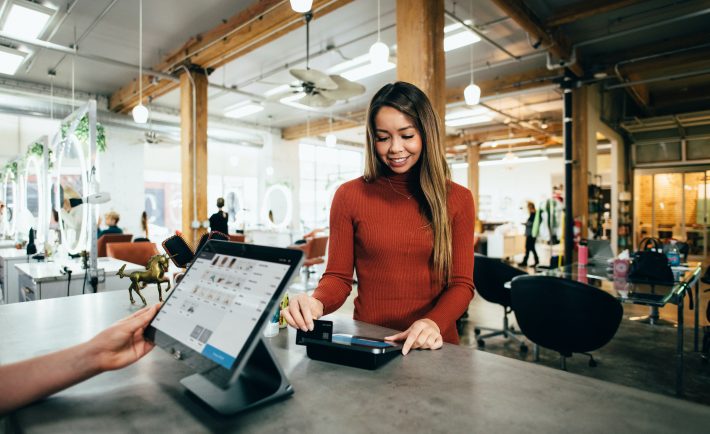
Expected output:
(410, 342)
(306, 313)
(295, 309)
(287, 316)
(398, 337)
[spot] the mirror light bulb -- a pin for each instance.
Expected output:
(379, 54)
(331, 140)
(301, 6)
(140, 114)
(472, 94)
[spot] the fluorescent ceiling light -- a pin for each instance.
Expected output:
(457, 36)
(27, 20)
(242, 109)
(481, 119)
(10, 60)
(466, 113)
(504, 162)
(360, 67)
(514, 141)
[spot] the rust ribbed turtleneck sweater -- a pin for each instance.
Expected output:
(377, 229)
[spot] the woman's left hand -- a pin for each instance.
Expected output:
(423, 334)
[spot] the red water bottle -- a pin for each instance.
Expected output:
(582, 253)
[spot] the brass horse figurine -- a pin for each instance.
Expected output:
(154, 273)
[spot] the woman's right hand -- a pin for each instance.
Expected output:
(302, 310)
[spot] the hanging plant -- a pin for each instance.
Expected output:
(10, 167)
(82, 133)
(37, 149)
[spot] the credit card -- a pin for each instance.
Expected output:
(322, 331)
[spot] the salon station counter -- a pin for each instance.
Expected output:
(455, 389)
(42, 280)
(9, 257)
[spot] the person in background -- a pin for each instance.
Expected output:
(405, 228)
(116, 347)
(532, 228)
(144, 227)
(112, 219)
(218, 220)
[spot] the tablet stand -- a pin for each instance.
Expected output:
(261, 381)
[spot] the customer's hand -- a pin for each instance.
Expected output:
(302, 310)
(123, 342)
(423, 334)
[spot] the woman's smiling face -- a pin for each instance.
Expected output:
(398, 143)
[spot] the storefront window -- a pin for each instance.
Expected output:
(322, 171)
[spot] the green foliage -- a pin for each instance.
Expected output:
(10, 167)
(37, 148)
(82, 133)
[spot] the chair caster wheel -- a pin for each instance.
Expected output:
(523, 348)
(592, 364)
(481, 343)
(477, 331)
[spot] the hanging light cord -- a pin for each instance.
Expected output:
(140, 52)
(471, 46)
(378, 20)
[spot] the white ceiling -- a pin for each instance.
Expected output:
(169, 23)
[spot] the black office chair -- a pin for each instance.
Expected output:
(565, 315)
(489, 276)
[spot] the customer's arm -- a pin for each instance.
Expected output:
(119, 345)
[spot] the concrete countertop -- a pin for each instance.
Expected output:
(455, 389)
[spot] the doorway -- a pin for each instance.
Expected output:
(674, 204)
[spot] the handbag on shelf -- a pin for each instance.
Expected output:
(650, 266)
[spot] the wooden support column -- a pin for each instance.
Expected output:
(420, 48)
(193, 158)
(474, 156)
(580, 154)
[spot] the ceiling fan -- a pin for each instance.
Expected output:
(319, 89)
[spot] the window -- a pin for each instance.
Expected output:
(322, 170)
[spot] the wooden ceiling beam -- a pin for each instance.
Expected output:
(252, 28)
(555, 41)
(586, 9)
(322, 126)
(478, 136)
(535, 78)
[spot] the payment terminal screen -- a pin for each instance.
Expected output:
(218, 303)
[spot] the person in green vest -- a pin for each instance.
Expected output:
(532, 229)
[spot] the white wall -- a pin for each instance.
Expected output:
(504, 190)
(18, 132)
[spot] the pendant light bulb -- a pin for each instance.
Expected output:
(331, 140)
(301, 6)
(140, 114)
(472, 94)
(379, 54)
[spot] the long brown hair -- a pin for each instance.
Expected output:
(433, 173)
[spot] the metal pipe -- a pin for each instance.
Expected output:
(54, 31)
(641, 28)
(93, 57)
(87, 31)
(497, 64)
(663, 78)
(569, 163)
(480, 35)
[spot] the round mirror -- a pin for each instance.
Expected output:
(34, 197)
(9, 197)
(278, 207)
(71, 176)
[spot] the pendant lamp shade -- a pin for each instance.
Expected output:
(472, 94)
(301, 6)
(379, 54)
(140, 114)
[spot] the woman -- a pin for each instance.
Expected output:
(218, 220)
(531, 230)
(404, 226)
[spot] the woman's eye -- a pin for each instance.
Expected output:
(407, 137)
(382, 139)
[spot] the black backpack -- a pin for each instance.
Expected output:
(650, 266)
